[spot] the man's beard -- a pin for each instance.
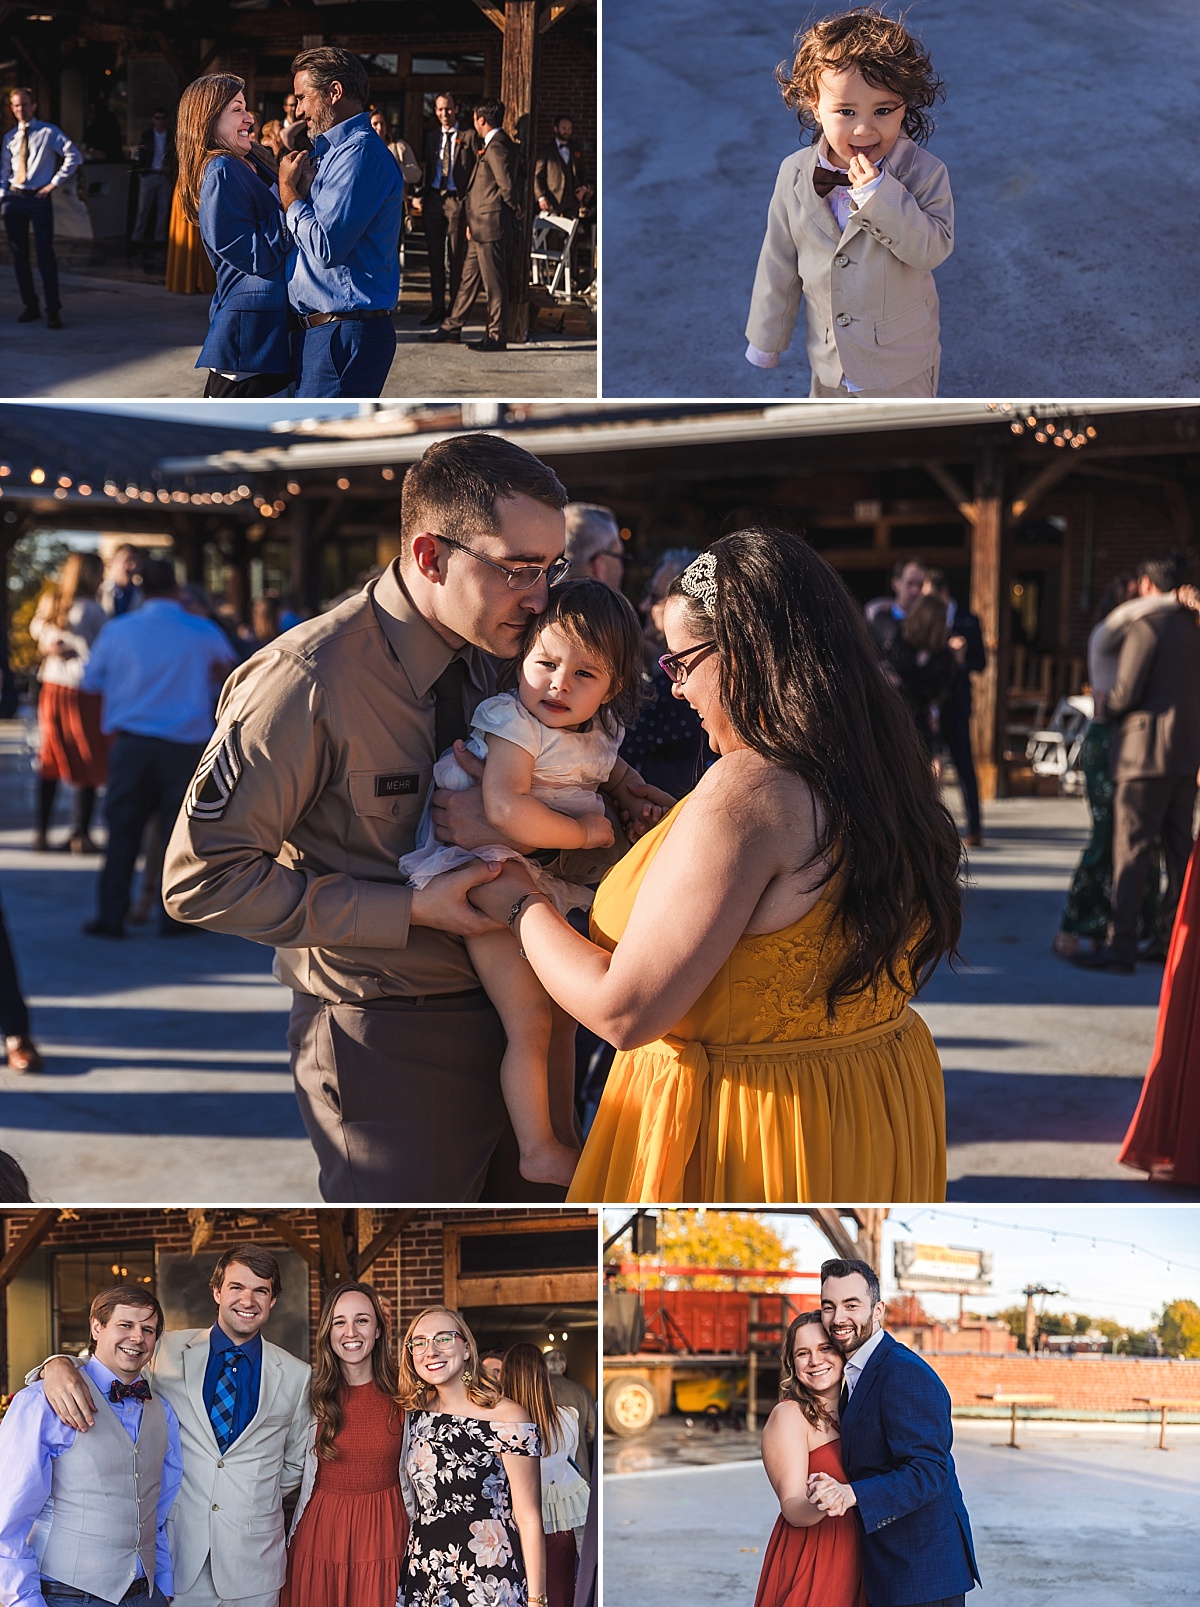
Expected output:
(319, 122)
(849, 1343)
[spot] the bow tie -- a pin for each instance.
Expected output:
(826, 179)
(139, 1390)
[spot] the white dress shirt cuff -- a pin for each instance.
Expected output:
(859, 192)
(761, 359)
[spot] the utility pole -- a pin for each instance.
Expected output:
(1031, 1292)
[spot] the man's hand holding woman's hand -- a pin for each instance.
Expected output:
(495, 897)
(296, 173)
(833, 1498)
(445, 902)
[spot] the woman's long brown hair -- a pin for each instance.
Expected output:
(201, 104)
(524, 1379)
(800, 681)
(327, 1377)
(414, 1391)
(790, 1387)
(81, 577)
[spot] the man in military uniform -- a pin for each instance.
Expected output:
(312, 788)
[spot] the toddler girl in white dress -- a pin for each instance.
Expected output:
(551, 746)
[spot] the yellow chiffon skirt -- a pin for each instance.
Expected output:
(859, 1117)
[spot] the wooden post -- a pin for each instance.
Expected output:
(518, 91)
(989, 602)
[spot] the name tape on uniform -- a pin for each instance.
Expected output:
(214, 782)
(396, 786)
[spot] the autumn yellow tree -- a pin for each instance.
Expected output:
(725, 1239)
(1179, 1328)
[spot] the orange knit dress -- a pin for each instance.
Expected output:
(347, 1547)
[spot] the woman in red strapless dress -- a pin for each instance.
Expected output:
(1164, 1135)
(350, 1528)
(811, 1560)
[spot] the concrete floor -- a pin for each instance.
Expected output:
(1054, 115)
(1084, 1513)
(124, 338)
(183, 1040)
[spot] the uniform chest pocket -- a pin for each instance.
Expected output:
(388, 794)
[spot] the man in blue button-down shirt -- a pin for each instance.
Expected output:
(344, 206)
(30, 170)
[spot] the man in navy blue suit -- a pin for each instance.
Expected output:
(896, 1437)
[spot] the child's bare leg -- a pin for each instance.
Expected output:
(524, 1008)
(562, 1076)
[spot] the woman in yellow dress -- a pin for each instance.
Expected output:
(754, 954)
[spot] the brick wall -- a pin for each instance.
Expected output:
(1079, 1383)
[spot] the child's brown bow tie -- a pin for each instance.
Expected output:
(826, 179)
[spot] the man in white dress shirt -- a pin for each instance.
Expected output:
(159, 670)
(30, 171)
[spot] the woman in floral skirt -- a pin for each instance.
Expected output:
(472, 1458)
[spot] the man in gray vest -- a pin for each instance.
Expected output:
(129, 1467)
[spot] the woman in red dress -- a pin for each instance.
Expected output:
(350, 1527)
(811, 1560)
(1164, 1135)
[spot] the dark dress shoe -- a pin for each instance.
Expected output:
(22, 1053)
(438, 335)
(29, 315)
(102, 929)
(489, 343)
(434, 315)
(1104, 959)
(53, 320)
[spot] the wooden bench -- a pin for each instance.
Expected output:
(1163, 1404)
(1015, 1401)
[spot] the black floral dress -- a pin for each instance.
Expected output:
(463, 1547)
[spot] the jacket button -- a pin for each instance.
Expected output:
(843, 318)
(221, 1464)
(216, 1508)
(841, 259)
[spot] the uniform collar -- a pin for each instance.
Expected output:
(420, 650)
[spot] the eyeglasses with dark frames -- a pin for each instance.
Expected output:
(442, 1341)
(521, 577)
(676, 666)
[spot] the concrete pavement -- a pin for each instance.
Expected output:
(1054, 289)
(183, 1040)
(1084, 1514)
(125, 338)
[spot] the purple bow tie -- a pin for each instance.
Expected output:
(139, 1390)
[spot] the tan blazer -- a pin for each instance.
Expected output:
(869, 298)
(1155, 705)
(229, 1507)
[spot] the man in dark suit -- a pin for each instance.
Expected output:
(1154, 710)
(492, 206)
(896, 1437)
(965, 639)
(156, 165)
(559, 178)
(448, 157)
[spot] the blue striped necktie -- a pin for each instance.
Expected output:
(224, 1403)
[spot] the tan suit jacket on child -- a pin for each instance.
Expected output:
(869, 297)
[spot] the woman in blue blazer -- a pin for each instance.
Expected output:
(225, 186)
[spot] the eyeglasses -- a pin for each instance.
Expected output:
(520, 578)
(443, 1341)
(675, 666)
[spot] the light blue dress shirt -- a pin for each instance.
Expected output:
(31, 1437)
(158, 670)
(45, 142)
(347, 231)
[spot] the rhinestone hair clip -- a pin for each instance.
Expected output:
(699, 580)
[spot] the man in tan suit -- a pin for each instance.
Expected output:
(244, 1419)
(1155, 711)
(492, 208)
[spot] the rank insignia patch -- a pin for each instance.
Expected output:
(218, 775)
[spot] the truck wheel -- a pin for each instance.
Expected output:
(629, 1407)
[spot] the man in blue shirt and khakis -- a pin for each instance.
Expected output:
(344, 204)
